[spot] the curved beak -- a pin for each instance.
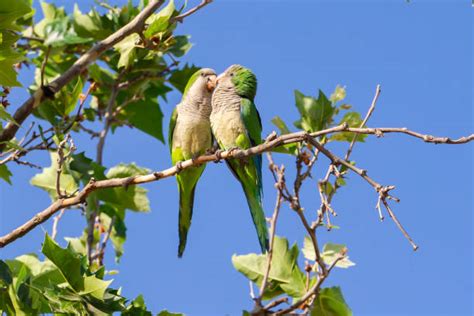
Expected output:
(211, 83)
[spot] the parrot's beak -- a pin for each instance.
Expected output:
(211, 83)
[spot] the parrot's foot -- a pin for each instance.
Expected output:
(218, 154)
(193, 159)
(179, 166)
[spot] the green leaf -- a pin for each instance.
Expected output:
(329, 254)
(46, 180)
(278, 122)
(353, 119)
(5, 274)
(132, 197)
(339, 94)
(95, 287)
(8, 74)
(89, 25)
(159, 22)
(72, 97)
(316, 114)
(10, 11)
(166, 313)
(146, 115)
(59, 32)
(330, 302)
(4, 115)
(285, 275)
(179, 78)
(67, 262)
(137, 307)
(119, 230)
(181, 45)
(127, 50)
(5, 174)
(84, 168)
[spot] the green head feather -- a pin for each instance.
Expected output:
(244, 80)
(191, 81)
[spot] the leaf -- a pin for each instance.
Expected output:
(84, 168)
(5, 274)
(133, 197)
(181, 45)
(353, 119)
(284, 274)
(166, 313)
(59, 32)
(67, 262)
(8, 74)
(89, 25)
(72, 97)
(278, 122)
(316, 114)
(4, 115)
(127, 50)
(330, 302)
(10, 11)
(179, 78)
(329, 254)
(95, 287)
(5, 174)
(146, 115)
(46, 180)
(159, 22)
(137, 307)
(119, 231)
(339, 94)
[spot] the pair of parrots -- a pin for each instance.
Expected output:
(220, 108)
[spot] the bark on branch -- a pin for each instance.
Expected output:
(269, 144)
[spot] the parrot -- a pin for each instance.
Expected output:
(190, 136)
(236, 123)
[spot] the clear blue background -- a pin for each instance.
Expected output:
(421, 54)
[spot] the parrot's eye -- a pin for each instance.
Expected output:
(202, 74)
(231, 74)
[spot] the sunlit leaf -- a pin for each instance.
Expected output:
(46, 180)
(330, 302)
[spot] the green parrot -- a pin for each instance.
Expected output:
(190, 136)
(236, 123)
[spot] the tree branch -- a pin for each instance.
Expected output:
(134, 26)
(270, 144)
(180, 18)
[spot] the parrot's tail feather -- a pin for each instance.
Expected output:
(186, 203)
(254, 201)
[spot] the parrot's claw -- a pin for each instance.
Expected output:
(218, 154)
(193, 159)
(179, 166)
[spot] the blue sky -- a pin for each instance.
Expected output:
(421, 54)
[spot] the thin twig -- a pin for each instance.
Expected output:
(273, 223)
(180, 18)
(56, 219)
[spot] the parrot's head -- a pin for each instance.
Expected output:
(241, 79)
(201, 82)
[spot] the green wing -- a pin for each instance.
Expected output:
(174, 118)
(253, 124)
(252, 121)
